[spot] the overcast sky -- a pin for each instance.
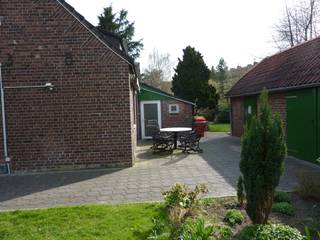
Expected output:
(240, 31)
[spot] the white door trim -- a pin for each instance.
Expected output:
(158, 102)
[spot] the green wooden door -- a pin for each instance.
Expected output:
(250, 108)
(302, 124)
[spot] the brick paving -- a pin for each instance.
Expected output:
(152, 174)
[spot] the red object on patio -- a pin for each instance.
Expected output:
(200, 125)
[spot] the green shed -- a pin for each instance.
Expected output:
(157, 107)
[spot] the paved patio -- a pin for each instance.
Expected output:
(217, 166)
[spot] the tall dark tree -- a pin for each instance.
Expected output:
(191, 80)
(262, 157)
(221, 75)
(119, 24)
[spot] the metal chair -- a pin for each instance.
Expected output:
(190, 142)
(162, 142)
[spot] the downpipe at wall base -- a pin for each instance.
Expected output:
(4, 125)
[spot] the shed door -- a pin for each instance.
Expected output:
(250, 108)
(302, 124)
(150, 118)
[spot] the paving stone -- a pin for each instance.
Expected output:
(217, 166)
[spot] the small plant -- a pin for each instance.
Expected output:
(284, 208)
(281, 197)
(224, 233)
(309, 235)
(180, 196)
(270, 232)
(181, 201)
(234, 217)
(309, 185)
(240, 192)
(197, 231)
(158, 231)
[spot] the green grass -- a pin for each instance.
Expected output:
(84, 222)
(219, 127)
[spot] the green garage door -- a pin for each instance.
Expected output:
(302, 124)
(250, 107)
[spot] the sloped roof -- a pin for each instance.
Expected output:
(152, 89)
(112, 40)
(296, 67)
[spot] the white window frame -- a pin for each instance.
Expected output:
(177, 108)
(142, 117)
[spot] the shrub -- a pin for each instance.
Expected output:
(182, 201)
(262, 157)
(284, 208)
(224, 233)
(180, 196)
(281, 197)
(159, 231)
(234, 217)
(309, 185)
(270, 232)
(240, 191)
(197, 231)
(309, 234)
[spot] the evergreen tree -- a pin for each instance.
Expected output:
(221, 75)
(262, 159)
(191, 80)
(119, 24)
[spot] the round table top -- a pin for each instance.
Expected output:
(175, 129)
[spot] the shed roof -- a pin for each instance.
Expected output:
(296, 67)
(162, 94)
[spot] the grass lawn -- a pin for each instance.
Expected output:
(85, 222)
(134, 221)
(219, 127)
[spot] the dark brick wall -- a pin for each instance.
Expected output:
(182, 119)
(277, 102)
(87, 120)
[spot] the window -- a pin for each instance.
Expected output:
(174, 108)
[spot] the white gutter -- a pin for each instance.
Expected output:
(165, 95)
(4, 125)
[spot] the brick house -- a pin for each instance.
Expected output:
(163, 108)
(293, 80)
(87, 119)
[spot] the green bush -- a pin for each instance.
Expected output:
(197, 230)
(270, 232)
(240, 191)
(284, 208)
(234, 217)
(281, 197)
(180, 196)
(224, 233)
(262, 157)
(309, 185)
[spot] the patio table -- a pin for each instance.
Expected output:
(175, 131)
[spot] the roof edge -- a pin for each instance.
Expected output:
(160, 92)
(63, 3)
(282, 89)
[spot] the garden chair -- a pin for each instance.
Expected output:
(190, 142)
(162, 142)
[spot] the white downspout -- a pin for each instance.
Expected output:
(4, 125)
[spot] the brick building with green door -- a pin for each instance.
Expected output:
(163, 109)
(292, 78)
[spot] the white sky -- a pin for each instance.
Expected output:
(240, 31)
